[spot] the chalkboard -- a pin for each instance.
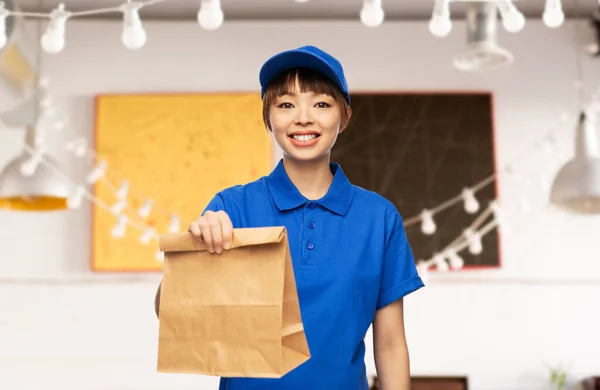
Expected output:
(418, 150)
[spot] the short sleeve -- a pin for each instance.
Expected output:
(399, 273)
(216, 204)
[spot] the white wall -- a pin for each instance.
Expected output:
(497, 327)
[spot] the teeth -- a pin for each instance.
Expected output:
(304, 137)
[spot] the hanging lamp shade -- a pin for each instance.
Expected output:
(482, 52)
(43, 189)
(576, 187)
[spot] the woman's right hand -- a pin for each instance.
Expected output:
(214, 229)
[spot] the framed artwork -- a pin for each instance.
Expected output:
(419, 150)
(177, 150)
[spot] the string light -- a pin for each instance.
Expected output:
(553, 15)
(118, 207)
(448, 254)
(134, 36)
(474, 239)
(75, 200)
(210, 15)
(77, 146)
(440, 262)
(147, 236)
(471, 238)
(546, 143)
(456, 262)
(53, 40)
(513, 20)
(371, 14)
(427, 223)
(440, 24)
(30, 165)
(118, 231)
(123, 193)
(471, 203)
(97, 173)
(144, 211)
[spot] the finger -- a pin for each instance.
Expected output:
(206, 235)
(195, 230)
(226, 229)
(216, 234)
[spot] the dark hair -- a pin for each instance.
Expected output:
(309, 80)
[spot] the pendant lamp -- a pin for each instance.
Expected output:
(576, 187)
(24, 185)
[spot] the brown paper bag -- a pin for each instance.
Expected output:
(231, 315)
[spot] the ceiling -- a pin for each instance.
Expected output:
(290, 9)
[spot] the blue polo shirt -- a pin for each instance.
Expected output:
(350, 256)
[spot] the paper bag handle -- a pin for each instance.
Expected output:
(185, 242)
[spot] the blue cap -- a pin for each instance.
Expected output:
(306, 57)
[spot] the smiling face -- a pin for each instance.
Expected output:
(305, 112)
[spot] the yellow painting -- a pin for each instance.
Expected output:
(177, 150)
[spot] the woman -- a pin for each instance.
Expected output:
(352, 262)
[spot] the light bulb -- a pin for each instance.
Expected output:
(474, 239)
(210, 15)
(118, 231)
(371, 14)
(53, 42)
(440, 26)
(553, 15)
(74, 201)
(475, 246)
(427, 224)
(147, 236)
(456, 262)
(97, 173)
(134, 37)
(440, 263)
(118, 207)
(553, 18)
(144, 211)
(123, 190)
(513, 21)
(470, 202)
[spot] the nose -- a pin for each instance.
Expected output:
(304, 117)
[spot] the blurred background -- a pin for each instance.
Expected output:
(476, 118)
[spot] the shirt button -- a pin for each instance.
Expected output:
(312, 206)
(311, 225)
(310, 246)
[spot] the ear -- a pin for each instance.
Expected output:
(345, 123)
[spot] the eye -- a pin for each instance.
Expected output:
(322, 105)
(285, 105)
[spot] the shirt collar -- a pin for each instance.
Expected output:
(287, 197)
